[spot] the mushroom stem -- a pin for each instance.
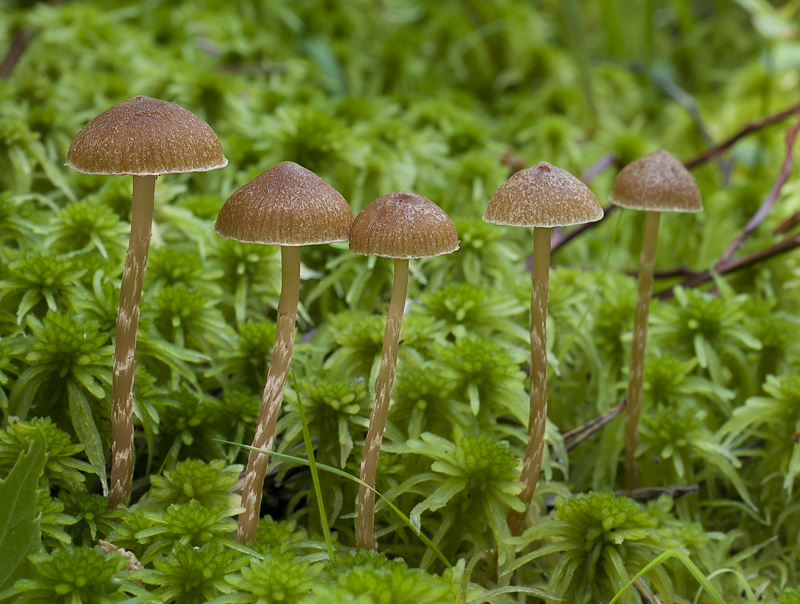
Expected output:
(377, 420)
(125, 344)
(538, 418)
(636, 376)
(273, 394)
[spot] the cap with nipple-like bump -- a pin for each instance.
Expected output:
(543, 196)
(145, 137)
(285, 205)
(403, 225)
(656, 182)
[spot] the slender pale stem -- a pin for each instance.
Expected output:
(125, 344)
(538, 418)
(273, 394)
(377, 421)
(636, 376)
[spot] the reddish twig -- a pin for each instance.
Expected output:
(18, 45)
(787, 224)
(728, 264)
(559, 238)
(769, 202)
(733, 265)
(748, 129)
(581, 433)
(670, 273)
(513, 162)
(650, 493)
(608, 160)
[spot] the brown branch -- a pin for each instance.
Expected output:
(748, 129)
(787, 224)
(649, 493)
(769, 202)
(728, 264)
(671, 273)
(733, 265)
(608, 160)
(18, 45)
(647, 596)
(581, 433)
(560, 239)
(514, 163)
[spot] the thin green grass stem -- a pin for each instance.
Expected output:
(323, 517)
(690, 566)
(343, 474)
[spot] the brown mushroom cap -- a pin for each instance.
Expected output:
(656, 182)
(403, 225)
(145, 137)
(285, 205)
(543, 196)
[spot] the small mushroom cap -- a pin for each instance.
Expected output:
(285, 205)
(145, 137)
(543, 196)
(403, 225)
(656, 182)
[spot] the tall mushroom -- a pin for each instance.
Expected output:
(542, 197)
(288, 206)
(144, 137)
(655, 183)
(399, 225)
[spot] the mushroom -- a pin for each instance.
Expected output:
(144, 137)
(655, 183)
(399, 225)
(542, 196)
(288, 206)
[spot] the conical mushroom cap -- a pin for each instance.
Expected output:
(286, 205)
(543, 196)
(656, 182)
(403, 225)
(145, 137)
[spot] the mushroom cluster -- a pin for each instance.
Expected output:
(290, 206)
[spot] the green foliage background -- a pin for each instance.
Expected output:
(433, 97)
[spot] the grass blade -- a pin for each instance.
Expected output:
(430, 544)
(690, 566)
(323, 517)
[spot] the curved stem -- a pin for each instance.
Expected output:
(636, 375)
(125, 343)
(377, 420)
(538, 418)
(273, 394)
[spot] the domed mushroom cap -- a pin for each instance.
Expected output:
(145, 137)
(403, 225)
(286, 205)
(543, 196)
(656, 182)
